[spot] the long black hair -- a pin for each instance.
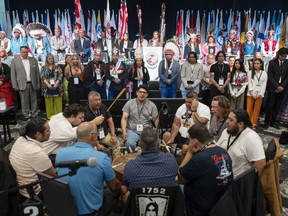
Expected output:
(242, 69)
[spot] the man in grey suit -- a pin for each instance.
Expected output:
(191, 74)
(25, 77)
(58, 44)
(82, 46)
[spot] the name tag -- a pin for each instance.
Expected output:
(101, 133)
(139, 127)
(221, 81)
(207, 79)
(258, 88)
(229, 49)
(52, 81)
(76, 81)
(235, 90)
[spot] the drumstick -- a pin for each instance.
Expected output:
(118, 96)
(163, 144)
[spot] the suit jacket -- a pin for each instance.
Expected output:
(163, 74)
(121, 48)
(18, 73)
(61, 43)
(188, 75)
(274, 74)
(86, 46)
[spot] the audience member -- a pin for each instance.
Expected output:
(116, 73)
(94, 109)
(237, 85)
(27, 156)
(74, 73)
(6, 89)
(52, 88)
(138, 74)
(276, 86)
(138, 113)
(87, 185)
(220, 109)
(206, 171)
(58, 44)
(209, 48)
(82, 46)
(206, 82)
(187, 115)
(95, 79)
(191, 73)
(219, 76)
(25, 78)
(18, 38)
(257, 81)
(169, 71)
(152, 167)
(242, 143)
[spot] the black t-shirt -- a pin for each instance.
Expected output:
(220, 71)
(209, 174)
(90, 115)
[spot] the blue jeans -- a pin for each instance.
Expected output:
(100, 89)
(112, 94)
(168, 92)
(132, 139)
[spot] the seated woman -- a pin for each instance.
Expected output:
(124, 44)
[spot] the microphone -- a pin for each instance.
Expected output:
(76, 164)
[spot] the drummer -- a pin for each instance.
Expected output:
(161, 167)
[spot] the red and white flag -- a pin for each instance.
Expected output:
(124, 19)
(78, 10)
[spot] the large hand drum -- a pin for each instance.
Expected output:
(119, 163)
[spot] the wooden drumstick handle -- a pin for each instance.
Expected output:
(118, 96)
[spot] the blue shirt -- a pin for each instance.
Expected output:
(87, 185)
(152, 168)
(16, 43)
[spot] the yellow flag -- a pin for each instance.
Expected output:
(282, 41)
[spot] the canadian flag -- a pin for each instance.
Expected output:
(78, 10)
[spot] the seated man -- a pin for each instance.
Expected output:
(27, 156)
(87, 185)
(152, 167)
(242, 143)
(220, 108)
(187, 115)
(206, 171)
(63, 128)
(138, 113)
(94, 109)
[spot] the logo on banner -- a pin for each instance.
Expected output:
(152, 60)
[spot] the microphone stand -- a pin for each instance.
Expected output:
(163, 107)
(33, 205)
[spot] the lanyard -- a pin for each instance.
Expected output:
(228, 144)
(258, 78)
(218, 129)
(139, 112)
(221, 70)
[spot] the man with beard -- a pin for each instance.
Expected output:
(242, 143)
(138, 113)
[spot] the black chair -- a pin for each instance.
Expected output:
(57, 196)
(153, 85)
(162, 200)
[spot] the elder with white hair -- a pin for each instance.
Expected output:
(5, 42)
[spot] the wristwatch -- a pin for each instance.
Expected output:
(193, 110)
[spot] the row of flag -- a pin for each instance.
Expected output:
(219, 23)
